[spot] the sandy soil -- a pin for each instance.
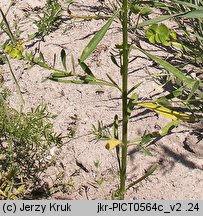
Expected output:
(179, 174)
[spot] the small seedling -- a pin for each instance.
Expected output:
(99, 179)
(49, 21)
(100, 131)
(71, 132)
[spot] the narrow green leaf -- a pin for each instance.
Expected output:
(15, 81)
(169, 127)
(170, 68)
(193, 14)
(90, 82)
(59, 74)
(188, 4)
(92, 45)
(113, 59)
(149, 171)
(9, 32)
(145, 11)
(176, 93)
(155, 20)
(146, 138)
(63, 58)
(134, 87)
(113, 82)
(86, 69)
(163, 101)
(42, 64)
(193, 90)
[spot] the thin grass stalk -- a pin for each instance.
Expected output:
(124, 72)
(16, 82)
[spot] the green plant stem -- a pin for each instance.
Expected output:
(89, 17)
(124, 72)
(16, 82)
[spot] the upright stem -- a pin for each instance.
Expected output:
(124, 72)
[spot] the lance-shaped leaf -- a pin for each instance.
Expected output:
(111, 79)
(63, 58)
(193, 90)
(148, 172)
(169, 127)
(16, 82)
(82, 81)
(92, 45)
(134, 87)
(171, 114)
(112, 144)
(86, 69)
(60, 74)
(190, 14)
(155, 20)
(113, 59)
(193, 14)
(170, 68)
(144, 150)
(188, 4)
(172, 94)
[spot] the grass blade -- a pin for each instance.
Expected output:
(16, 82)
(92, 45)
(9, 32)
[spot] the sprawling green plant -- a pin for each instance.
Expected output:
(25, 143)
(160, 34)
(186, 93)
